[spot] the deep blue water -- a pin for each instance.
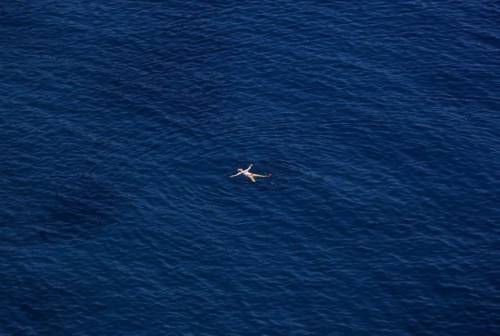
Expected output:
(122, 120)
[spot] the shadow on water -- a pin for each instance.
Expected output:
(80, 209)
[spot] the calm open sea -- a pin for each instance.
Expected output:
(120, 122)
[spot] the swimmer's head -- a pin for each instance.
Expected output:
(240, 170)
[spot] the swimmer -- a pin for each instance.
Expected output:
(247, 173)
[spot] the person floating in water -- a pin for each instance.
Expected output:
(248, 174)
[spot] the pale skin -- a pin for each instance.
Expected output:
(248, 174)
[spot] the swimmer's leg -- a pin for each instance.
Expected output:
(258, 175)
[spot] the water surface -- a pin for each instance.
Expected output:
(121, 122)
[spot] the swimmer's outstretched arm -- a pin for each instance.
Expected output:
(236, 174)
(249, 167)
